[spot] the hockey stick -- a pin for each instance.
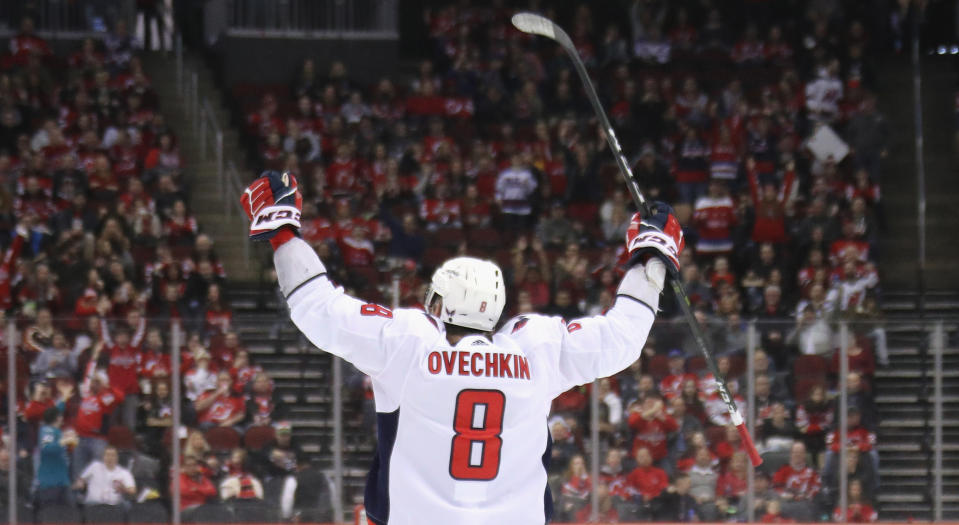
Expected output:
(538, 25)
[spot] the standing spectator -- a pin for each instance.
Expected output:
(125, 365)
(106, 482)
(92, 420)
(515, 188)
(715, 217)
(53, 469)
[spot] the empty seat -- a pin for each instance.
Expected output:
(658, 367)
(258, 437)
(222, 439)
(810, 366)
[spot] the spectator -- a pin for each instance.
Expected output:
(263, 404)
(515, 187)
(126, 361)
(859, 467)
(201, 377)
(156, 416)
(219, 407)
(813, 418)
(646, 483)
(715, 218)
(798, 484)
(240, 484)
(652, 427)
(858, 509)
(53, 469)
(778, 430)
(557, 230)
(92, 419)
(678, 503)
(577, 487)
(703, 478)
(606, 511)
(195, 487)
(671, 385)
(106, 482)
(857, 437)
(859, 397)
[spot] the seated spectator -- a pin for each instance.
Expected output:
(703, 478)
(859, 467)
(672, 385)
(53, 469)
(195, 445)
(283, 456)
(857, 436)
(156, 416)
(778, 431)
(200, 378)
(263, 404)
(556, 230)
(859, 357)
(732, 484)
(858, 509)
(106, 482)
(577, 486)
(693, 401)
(645, 484)
(606, 511)
(814, 417)
(219, 407)
(798, 484)
(774, 513)
(239, 484)
(195, 487)
(678, 504)
(652, 427)
(858, 395)
(611, 473)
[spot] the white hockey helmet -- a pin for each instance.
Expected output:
(473, 292)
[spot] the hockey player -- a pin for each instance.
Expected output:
(462, 408)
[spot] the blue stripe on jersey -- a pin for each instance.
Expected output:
(377, 493)
(548, 496)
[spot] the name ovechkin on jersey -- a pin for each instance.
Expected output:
(470, 363)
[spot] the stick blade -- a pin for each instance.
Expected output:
(534, 24)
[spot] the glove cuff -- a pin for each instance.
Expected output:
(282, 236)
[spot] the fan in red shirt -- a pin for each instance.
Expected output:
(125, 356)
(195, 487)
(155, 360)
(356, 247)
(243, 371)
(652, 426)
(773, 513)
(714, 218)
(646, 481)
(732, 483)
(797, 481)
(10, 258)
(672, 385)
(220, 408)
(769, 224)
(264, 405)
(440, 211)
(607, 512)
(857, 435)
(26, 44)
(858, 510)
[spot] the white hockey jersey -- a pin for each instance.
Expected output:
(462, 428)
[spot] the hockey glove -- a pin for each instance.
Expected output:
(273, 203)
(659, 235)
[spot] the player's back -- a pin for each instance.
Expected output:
(465, 441)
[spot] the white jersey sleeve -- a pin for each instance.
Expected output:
(368, 335)
(582, 350)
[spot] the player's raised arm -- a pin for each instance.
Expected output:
(330, 319)
(602, 345)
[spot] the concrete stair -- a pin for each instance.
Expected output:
(899, 245)
(904, 397)
(209, 199)
(303, 375)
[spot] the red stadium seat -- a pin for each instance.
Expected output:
(658, 367)
(810, 367)
(121, 437)
(737, 365)
(435, 256)
(483, 238)
(695, 364)
(222, 439)
(258, 437)
(448, 238)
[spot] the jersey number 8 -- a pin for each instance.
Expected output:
(478, 422)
